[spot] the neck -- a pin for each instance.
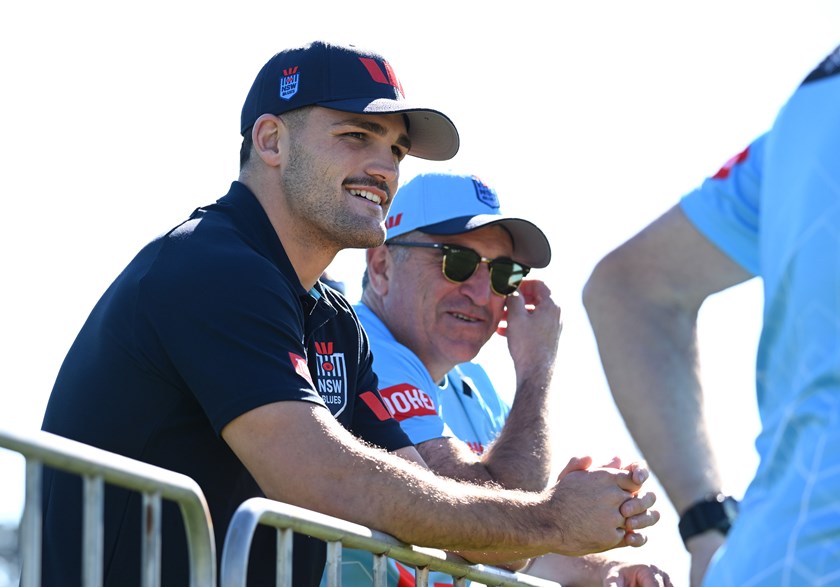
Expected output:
(309, 256)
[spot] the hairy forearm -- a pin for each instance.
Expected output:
(520, 458)
(316, 464)
(648, 351)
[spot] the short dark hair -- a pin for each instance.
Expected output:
(291, 119)
(245, 149)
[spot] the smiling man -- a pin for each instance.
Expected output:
(217, 353)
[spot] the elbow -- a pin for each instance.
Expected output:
(604, 286)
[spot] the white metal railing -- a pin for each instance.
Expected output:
(98, 467)
(338, 533)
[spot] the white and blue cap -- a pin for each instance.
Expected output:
(447, 204)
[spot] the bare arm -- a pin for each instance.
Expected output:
(299, 454)
(642, 300)
(520, 458)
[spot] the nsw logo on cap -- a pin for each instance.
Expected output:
(484, 193)
(289, 83)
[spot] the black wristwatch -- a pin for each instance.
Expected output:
(716, 512)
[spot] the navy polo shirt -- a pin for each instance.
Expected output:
(207, 322)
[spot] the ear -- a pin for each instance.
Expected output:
(378, 269)
(270, 136)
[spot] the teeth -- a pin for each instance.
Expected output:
(367, 195)
(462, 317)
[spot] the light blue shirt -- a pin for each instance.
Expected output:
(465, 405)
(775, 210)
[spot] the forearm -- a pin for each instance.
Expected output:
(648, 351)
(316, 464)
(521, 457)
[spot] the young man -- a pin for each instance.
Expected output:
(218, 354)
(772, 211)
(452, 269)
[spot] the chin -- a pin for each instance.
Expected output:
(461, 353)
(366, 239)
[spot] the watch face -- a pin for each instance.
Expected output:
(730, 508)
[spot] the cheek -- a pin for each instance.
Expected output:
(498, 307)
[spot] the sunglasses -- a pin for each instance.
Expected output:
(459, 263)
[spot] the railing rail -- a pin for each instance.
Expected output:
(341, 533)
(98, 467)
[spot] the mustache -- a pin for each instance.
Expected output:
(370, 182)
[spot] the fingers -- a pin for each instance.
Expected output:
(636, 575)
(638, 515)
(575, 464)
(639, 472)
(641, 521)
(634, 539)
(532, 292)
(633, 477)
(637, 505)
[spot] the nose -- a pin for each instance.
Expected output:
(477, 287)
(385, 167)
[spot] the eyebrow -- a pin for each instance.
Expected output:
(377, 129)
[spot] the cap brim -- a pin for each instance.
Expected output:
(530, 245)
(433, 135)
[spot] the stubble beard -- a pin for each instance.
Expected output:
(316, 207)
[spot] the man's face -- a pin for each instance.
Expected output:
(341, 175)
(444, 323)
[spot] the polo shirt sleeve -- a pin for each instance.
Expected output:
(725, 208)
(230, 326)
(411, 396)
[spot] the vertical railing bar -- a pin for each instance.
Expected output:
(380, 570)
(30, 530)
(284, 557)
(333, 568)
(93, 531)
(150, 565)
(421, 576)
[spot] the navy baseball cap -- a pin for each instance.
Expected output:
(446, 204)
(349, 79)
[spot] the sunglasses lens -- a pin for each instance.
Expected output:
(506, 275)
(459, 264)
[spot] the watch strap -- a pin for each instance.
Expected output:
(715, 512)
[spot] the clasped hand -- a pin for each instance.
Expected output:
(601, 508)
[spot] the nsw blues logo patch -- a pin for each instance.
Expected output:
(332, 377)
(485, 194)
(289, 83)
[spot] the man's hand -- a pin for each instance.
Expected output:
(532, 325)
(599, 509)
(635, 575)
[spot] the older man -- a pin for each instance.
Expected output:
(452, 269)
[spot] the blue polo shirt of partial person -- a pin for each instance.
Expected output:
(775, 210)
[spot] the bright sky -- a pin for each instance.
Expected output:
(119, 119)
